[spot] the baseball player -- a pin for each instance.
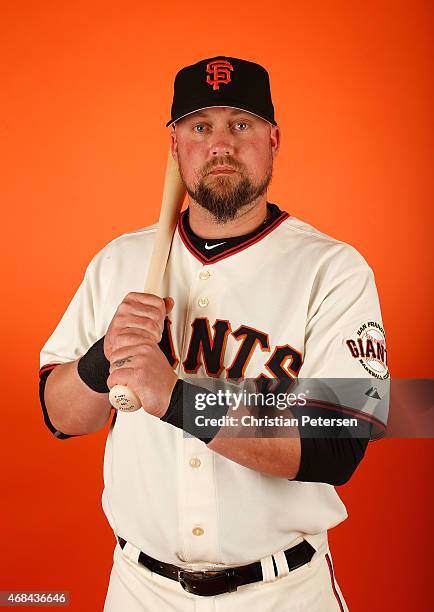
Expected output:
(211, 519)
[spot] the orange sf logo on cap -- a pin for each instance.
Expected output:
(220, 71)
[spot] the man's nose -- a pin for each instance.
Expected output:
(222, 143)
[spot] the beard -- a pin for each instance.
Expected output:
(223, 195)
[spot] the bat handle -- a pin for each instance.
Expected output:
(123, 398)
(120, 396)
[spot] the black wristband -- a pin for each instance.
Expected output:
(183, 395)
(94, 368)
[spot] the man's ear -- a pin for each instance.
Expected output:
(275, 140)
(174, 145)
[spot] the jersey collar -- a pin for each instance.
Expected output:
(234, 245)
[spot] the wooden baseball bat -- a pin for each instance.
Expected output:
(120, 396)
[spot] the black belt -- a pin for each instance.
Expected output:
(215, 582)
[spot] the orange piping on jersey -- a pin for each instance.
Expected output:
(363, 416)
(48, 367)
(332, 578)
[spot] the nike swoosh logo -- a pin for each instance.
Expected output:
(213, 246)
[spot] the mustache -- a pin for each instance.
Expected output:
(222, 161)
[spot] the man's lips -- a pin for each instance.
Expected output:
(222, 170)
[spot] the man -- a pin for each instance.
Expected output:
(216, 519)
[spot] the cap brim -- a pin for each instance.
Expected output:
(172, 121)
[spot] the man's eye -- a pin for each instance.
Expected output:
(199, 128)
(242, 125)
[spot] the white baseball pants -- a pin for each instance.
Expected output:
(310, 588)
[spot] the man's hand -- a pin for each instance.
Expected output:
(139, 316)
(131, 346)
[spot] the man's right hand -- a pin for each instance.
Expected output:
(139, 316)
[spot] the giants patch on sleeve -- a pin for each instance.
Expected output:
(368, 346)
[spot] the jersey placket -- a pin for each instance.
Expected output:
(198, 519)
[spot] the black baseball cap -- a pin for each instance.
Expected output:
(222, 81)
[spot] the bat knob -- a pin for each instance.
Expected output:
(123, 398)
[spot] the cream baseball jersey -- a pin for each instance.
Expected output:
(290, 302)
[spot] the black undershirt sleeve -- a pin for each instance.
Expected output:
(42, 381)
(332, 454)
(330, 460)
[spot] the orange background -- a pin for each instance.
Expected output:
(86, 91)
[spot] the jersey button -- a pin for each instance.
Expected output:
(198, 531)
(195, 462)
(204, 275)
(203, 302)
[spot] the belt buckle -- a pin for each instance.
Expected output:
(207, 582)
